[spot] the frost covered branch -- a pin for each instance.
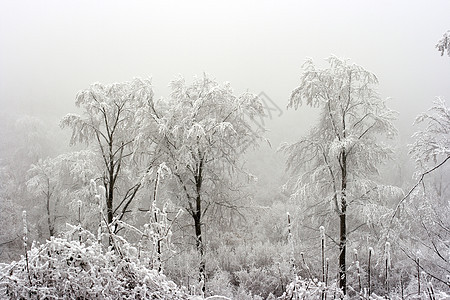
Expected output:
(444, 44)
(421, 178)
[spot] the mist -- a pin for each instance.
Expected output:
(50, 50)
(53, 49)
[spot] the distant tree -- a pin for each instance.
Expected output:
(23, 141)
(432, 144)
(444, 44)
(10, 242)
(43, 181)
(108, 122)
(33, 142)
(59, 181)
(431, 148)
(425, 207)
(426, 210)
(204, 128)
(431, 152)
(338, 160)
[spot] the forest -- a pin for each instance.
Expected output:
(155, 200)
(146, 194)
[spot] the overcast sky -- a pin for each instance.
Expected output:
(51, 49)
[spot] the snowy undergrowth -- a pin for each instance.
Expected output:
(68, 269)
(65, 268)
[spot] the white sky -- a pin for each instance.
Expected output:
(51, 49)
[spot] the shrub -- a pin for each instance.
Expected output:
(61, 268)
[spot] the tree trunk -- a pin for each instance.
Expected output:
(342, 250)
(158, 242)
(198, 225)
(109, 202)
(343, 227)
(199, 241)
(51, 226)
(368, 272)
(110, 194)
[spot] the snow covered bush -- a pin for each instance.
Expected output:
(68, 269)
(310, 289)
(220, 284)
(260, 281)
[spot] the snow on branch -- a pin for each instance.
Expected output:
(433, 141)
(444, 44)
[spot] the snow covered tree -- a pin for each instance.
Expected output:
(427, 204)
(43, 181)
(32, 142)
(108, 122)
(335, 166)
(432, 144)
(24, 140)
(204, 128)
(60, 181)
(10, 242)
(444, 44)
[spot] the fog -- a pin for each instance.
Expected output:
(52, 49)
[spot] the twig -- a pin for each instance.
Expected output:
(415, 186)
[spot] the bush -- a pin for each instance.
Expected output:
(72, 270)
